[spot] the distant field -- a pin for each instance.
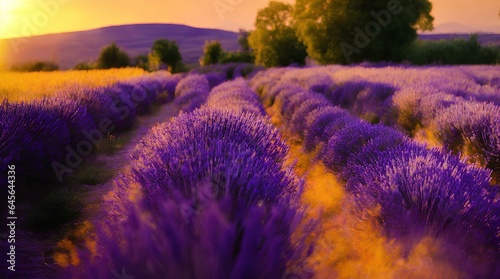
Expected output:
(28, 86)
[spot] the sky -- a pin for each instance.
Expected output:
(22, 18)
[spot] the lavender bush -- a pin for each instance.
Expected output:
(201, 245)
(420, 189)
(236, 152)
(192, 92)
(236, 95)
(413, 190)
(34, 135)
(474, 130)
(31, 137)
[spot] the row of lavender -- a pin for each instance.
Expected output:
(418, 191)
(44, 138)
(218, 201)
(193, 92)
(458, 106)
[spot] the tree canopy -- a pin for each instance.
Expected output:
(243, 40)
(166, 52)
(38, 66)
(274, 41)
(212, 53)
(344, 31)
(113, 56)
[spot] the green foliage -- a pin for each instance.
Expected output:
(154, 62)
(452, 52)
(165, 52)
(228, 69)
(84, 66)
(113, 56)
(243, 40)
(237, 57)
(40, 66)
(184, 68)
(212, 53)
(142, 61)
(274, 41)
(345, 31)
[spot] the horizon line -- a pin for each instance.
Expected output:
(119, 25)
(234, 31)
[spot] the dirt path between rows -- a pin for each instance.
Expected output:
(39, 248)
(121, 159)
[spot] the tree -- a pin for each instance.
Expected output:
(237, 57)
(166, 52)
(243, 40)
(274, 41)
(451, 52)
(212, 53)
(84, 66)
(38, 66)
(344, 31)
(141, 61)
(113, 56)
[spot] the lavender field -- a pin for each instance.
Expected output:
(365, 171)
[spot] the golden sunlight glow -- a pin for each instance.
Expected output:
(7, 6)
(28, 86)
(39, 17)
(8, 9)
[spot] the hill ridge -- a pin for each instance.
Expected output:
(69, 48)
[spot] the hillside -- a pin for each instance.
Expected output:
(67, 49)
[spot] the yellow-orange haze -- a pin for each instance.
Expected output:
(21, 18)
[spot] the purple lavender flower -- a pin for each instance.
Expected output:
(426, 189)
(192, 83)
(95, 100)
(205, 244)
(474, 130)
(349, 141)
(215, 79)
(74, 115)
(236, 95)
(281, 92)
(191, 92)
(345, 95)
(141, 98)
(322, 123)
(297, 121)
(31, 137)
(236, 152)
(290, 104)
(124, 106)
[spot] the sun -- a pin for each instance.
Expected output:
(9, 11)
(8, 6)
